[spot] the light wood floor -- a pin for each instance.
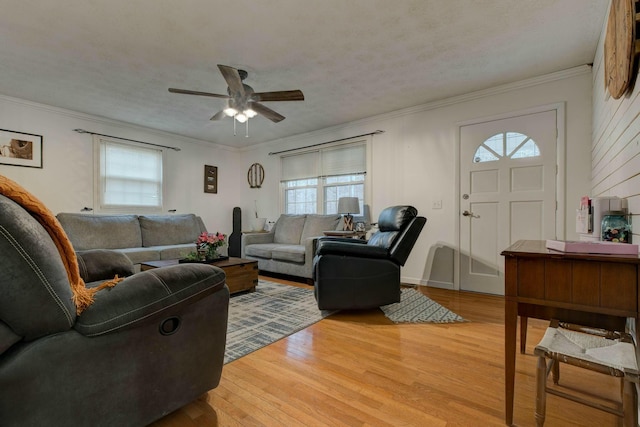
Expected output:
(359, 369)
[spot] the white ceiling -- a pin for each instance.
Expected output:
(351, 58)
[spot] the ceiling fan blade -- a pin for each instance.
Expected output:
(193, 92)
(283, 95)
(232, 77)
(219, 115)
(267, 112)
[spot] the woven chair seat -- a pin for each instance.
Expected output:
(607, 352)
(612, 353)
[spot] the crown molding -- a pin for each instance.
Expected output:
(105, 121)
(497, 90)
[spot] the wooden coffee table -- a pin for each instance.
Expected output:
(242, 274)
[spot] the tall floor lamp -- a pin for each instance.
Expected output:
(348, 206)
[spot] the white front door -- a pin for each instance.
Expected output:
(508, 193)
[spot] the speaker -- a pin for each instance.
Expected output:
(236, 235)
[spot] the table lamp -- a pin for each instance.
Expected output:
(348, 206)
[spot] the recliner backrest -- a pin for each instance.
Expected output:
(399, 228)
(35, 296)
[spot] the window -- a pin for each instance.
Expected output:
(128, 176)
(507, 144)
(313, 181)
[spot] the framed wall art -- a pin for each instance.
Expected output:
(20, 149)
(210, 179)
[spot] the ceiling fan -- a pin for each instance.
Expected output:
(243, 102)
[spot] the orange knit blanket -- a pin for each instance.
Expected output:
(82, 296)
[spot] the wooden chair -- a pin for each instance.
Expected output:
(599, 350)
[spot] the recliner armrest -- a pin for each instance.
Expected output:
(333, 247)
(342, 239)
(103, 264)
(146, 295)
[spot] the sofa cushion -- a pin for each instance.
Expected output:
(314, 225)
(138, 255)
(261, 250)
(292, 253)
(159, 230)
(289, 229)
(101, 231)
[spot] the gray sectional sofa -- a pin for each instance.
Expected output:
(141, 237)
(290, 245)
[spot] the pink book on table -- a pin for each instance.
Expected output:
(592, 247)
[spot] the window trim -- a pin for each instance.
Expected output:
(97, 180)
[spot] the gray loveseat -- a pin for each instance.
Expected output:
(290, 245)
(141, 237)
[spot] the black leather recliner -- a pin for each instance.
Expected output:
(358, 274)
(143, 349)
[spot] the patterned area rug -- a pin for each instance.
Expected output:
(414, 307)
(272, 312)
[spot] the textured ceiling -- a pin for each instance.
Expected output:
(352, 59)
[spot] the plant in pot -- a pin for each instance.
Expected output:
(207, 246)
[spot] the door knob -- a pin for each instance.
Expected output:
(467, 213)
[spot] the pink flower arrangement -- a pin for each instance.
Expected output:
(210, 242)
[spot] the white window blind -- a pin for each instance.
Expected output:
(313, 181)
(300, 166)
(345, 160)
(130, 176)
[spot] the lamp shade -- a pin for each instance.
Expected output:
(348, 205)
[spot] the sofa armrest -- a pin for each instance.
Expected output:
(103, 264)
(254, 238)
(148, 295)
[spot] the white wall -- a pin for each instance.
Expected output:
(615, 151)
(65, 183)
(415, 160)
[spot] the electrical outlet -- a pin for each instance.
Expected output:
(437, 204)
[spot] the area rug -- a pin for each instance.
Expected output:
(272, 312)
(414, 307)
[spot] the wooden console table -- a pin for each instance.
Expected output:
(588, 289)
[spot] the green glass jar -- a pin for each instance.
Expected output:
(615, 227)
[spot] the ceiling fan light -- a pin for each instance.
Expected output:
(249, 113)
(241, 117)
(230, 111)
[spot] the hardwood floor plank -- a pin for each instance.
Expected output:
(360, 369)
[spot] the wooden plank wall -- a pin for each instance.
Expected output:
(615, 148)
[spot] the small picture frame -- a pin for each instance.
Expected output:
(20, 149)
(210, 179)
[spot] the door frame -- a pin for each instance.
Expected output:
(560, 170)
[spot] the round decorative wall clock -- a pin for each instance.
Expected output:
(619, 47)
(255, 175)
